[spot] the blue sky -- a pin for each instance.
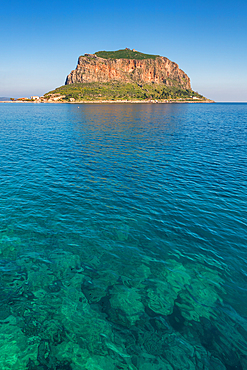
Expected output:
(41, 41)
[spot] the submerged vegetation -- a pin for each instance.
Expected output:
(115, 91)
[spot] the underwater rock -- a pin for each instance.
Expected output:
(94, 291)
(31, 327)
(122, 231)
(216, 364)
(12, 277)
(80, 320)
(155, 364)
(55, 286)
(136, 276)
(233, 333)
(161, 300)
(161, 297)
(4, 311)
(64, 263)
(40, 276)
(9, 246)
(72, 352)
(14, 348)
(176, 275)
(101, 363)
(191, 288)
(199, 300)
(179, 353)
(40, 294)
(128, 300)
(44, 352)
(109, 363)
(104, 313)
(153, 344)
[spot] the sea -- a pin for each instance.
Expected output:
(123, 236)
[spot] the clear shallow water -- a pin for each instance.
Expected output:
(123, 237)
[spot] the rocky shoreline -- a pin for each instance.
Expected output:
(114, 102)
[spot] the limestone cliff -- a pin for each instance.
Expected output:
(158, 70)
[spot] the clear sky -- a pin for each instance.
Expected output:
(41, 41)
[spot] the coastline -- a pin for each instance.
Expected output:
(114, 102)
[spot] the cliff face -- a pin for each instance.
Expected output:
(91, 68)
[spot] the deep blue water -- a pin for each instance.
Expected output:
(123, 236)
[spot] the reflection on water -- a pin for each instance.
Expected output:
(123, 234)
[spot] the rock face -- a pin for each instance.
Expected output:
(161, 70)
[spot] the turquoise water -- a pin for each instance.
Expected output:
(123, 237)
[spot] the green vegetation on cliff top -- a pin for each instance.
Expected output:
(122, 91)
(124, 54)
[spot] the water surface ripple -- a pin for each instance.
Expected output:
(123, 237)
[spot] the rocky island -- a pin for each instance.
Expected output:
(125, 76)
